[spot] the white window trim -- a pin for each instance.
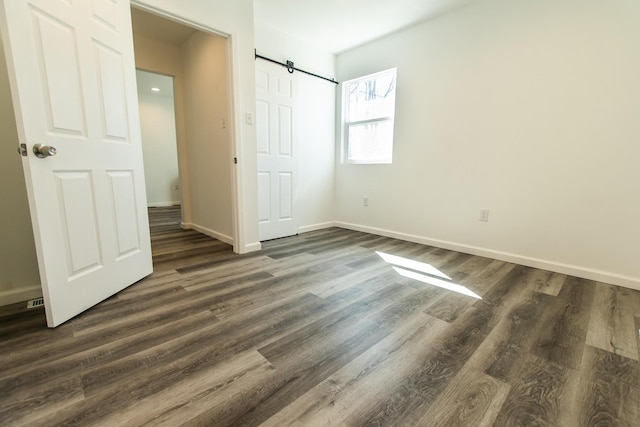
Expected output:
(344, 137)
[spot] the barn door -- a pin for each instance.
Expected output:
(277, 150)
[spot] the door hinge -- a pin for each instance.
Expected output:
(22, 150)
(235, 160)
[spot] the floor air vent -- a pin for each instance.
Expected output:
(35, 303)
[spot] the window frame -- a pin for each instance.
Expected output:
(346, 123)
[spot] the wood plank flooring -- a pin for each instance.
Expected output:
(319, 330)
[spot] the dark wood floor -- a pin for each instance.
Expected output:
(319, 330)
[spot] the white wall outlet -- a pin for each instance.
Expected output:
(248, 118)
(365, 201)
(484, 215)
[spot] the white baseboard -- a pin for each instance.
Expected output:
(163, 204)
(12, 296)
(573, 270)
(251, 247)
(314, 227)
(211, 233)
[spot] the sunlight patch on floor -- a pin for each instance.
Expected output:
(425, 273)
(412, 265)
(436, 282)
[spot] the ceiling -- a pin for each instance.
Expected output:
(158, 28)
(331, 25)
(338, 25)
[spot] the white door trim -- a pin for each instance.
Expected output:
(240, 244)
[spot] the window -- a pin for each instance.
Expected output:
(369, 105)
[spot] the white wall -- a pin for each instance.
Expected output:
(166, 58)
(529, 109)
(280, 46)
(316, 180)
(236, 20)
(316, 127)
(19, 278)
(208, 143)
(159, 146)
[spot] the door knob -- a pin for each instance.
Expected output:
(43, 151)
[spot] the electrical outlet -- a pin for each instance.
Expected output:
(365, 201)
(484, 215)
(176, 187)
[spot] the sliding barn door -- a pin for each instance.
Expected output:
(277, 150)
(72, 75)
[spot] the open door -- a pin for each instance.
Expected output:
(72, 74)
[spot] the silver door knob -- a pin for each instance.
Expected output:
(43, 151)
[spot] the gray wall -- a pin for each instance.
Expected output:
(19, 278)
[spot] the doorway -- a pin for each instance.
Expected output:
(198, 63)
(159, 143)
(222, 227)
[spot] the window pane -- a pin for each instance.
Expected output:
(371, 142)
(372, 98)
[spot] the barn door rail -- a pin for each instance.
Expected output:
(289, 65)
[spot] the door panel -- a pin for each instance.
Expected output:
(285, 131)
(112, 94)
(106, 11)
(277, 150)
(79, 222)
(285, 84)
(73, 86)
(286, 196)
(59, 57)
(126, 218)
(264, 197)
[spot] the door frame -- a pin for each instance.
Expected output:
(237, 182)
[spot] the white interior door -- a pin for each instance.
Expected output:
(72, 75)
(277, 150)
